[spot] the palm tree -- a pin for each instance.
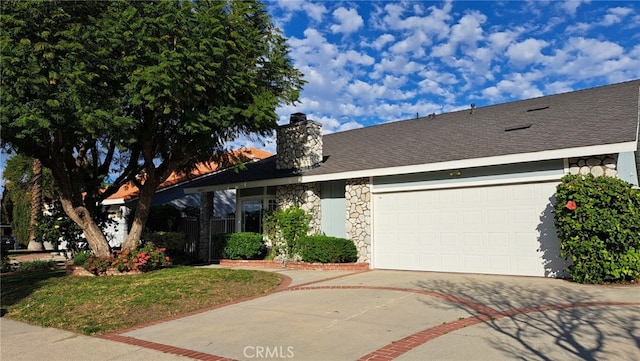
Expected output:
(36, 206)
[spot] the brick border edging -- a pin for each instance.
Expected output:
(295, 265)
(196, 355)
(399, 347)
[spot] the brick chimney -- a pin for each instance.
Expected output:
(299, 143)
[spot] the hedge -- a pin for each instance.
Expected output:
(325, 249)
(243, 245)
(598, 224)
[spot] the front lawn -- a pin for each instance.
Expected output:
(98, 305)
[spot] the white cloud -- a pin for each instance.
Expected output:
(593, 49)
(383, 40)
(467, 31)
(571, 6)
(348, 21)
(353, 57)
(579, 28)
(389, 112)
(433, 24)
(370, 92)
(349, 125)
(416, 57)
(315, 11)
(519, 87)
(502, 39)
(413, 44)
(526, 52)
(558, 87)
(587, 58)
(615, 16)
(394, 82)
(396, 65)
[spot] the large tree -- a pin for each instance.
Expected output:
(135, 90)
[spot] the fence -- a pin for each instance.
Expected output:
(190, 227)
(220, 226)
(223, 225)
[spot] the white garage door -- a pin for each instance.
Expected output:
(506, 229)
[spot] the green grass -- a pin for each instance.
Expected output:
(98, 305)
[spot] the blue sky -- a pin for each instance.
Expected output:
(369, 62)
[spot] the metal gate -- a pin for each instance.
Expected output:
(190, 227)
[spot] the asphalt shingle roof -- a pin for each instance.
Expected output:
(596, 116)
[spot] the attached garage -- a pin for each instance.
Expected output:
(500, 229)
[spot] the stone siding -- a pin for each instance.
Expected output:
(206, 211)
(599, 165)
(358, 226)
(299, 145)
(305, 196)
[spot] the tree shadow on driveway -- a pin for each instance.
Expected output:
(532, 322)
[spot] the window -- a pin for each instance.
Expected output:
(253, 204)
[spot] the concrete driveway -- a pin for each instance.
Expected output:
(398, 315)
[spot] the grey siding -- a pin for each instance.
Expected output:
(333, 207)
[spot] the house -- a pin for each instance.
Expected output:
(170, 192)
(468, 191)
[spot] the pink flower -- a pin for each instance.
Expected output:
(571, 205)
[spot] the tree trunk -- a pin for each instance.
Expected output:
(36, 206)
(92, 232)
(140, 216)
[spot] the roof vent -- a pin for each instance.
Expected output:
(536, 109)
(432, 115)
(473, 107)
(518, 127)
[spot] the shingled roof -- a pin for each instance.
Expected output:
(526, 130)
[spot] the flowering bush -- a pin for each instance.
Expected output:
(144, 259)
(598, 228)
(97, 265)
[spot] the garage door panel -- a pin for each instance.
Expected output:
(484, 229)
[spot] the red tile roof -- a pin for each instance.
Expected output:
(130, 191)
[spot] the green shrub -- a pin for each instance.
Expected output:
(244, 245)
(284, 228)
(173, 242)
(325, 249)
(81, 258)
(36, 265)
(597, 219)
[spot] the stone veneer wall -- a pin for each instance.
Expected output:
(598, 165)
(358, 226)
(206, 211)
(305, 196)
(299, 145)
